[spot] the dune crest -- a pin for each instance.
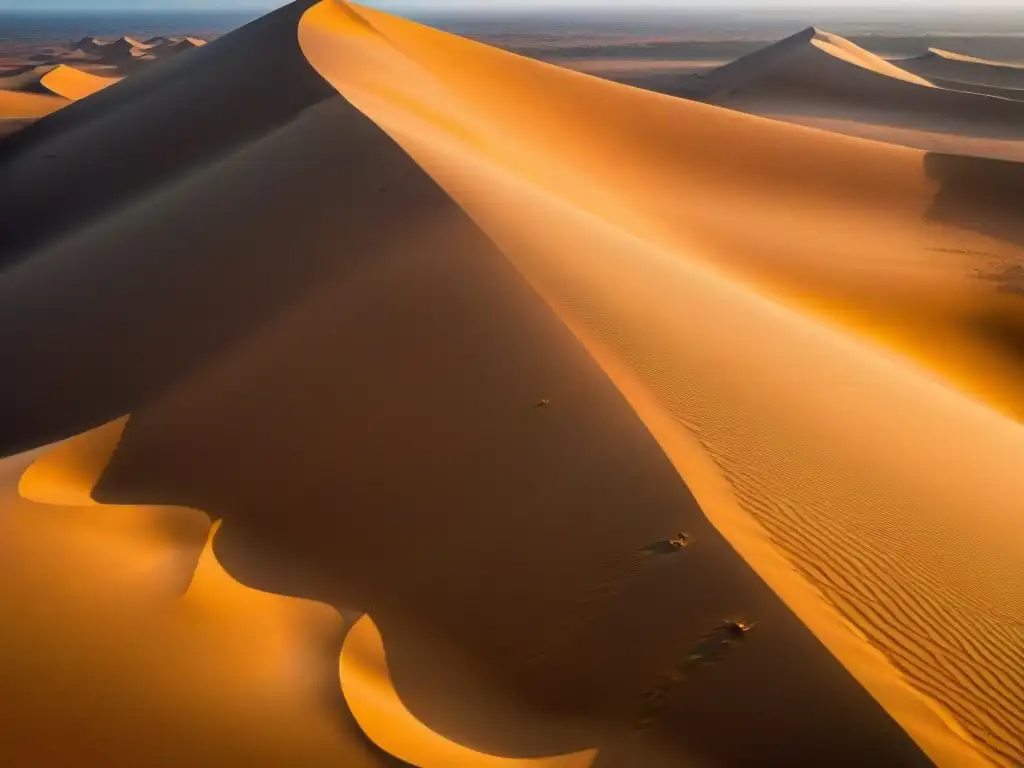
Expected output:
(74, 84)
(811, 58)
(181, 656)
(64, 476)
(376, 705)
(961, 70)
(901, 557)
(58, 80)
(821, 80)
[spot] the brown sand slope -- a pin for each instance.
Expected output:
(360, 347)
(819, 79)
(901, 557)
(956, 67)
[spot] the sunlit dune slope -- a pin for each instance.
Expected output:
(957, 67)
(889, 490)
(819, 79)
(132, 646)
(60, 80)
(74, 84)
(17, 105)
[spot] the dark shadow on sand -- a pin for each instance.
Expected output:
(980, 194)
(111, 149)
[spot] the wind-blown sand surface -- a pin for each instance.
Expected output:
(818, 79)
(458, 364)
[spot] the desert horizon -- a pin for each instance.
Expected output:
(535, 390)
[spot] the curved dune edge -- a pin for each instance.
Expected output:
(854, 54)
(447, 151)
(65, 475)
(377, 707)
(954, 56)
(74, 84)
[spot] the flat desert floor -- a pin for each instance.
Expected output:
(375, 396)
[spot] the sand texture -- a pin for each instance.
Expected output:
(375, 415)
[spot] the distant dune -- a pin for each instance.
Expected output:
(821, 80)
(389, 399)
(57, 80)
(956, 67)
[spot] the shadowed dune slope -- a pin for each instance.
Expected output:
(845, 453)
(197, 657)
(815, 76)
(370, 371)
(49, 171)
(810, 58)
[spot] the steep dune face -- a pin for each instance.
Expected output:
(680, 315)
(821, 80)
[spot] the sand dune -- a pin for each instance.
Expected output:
(811, 58)
(494, 181)
(821, 80)
(73, 84)
(958, 68)
(463, 360)
(379, 711)
(173, 662)
(90, 45)
(57, 80)
(20, 105)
